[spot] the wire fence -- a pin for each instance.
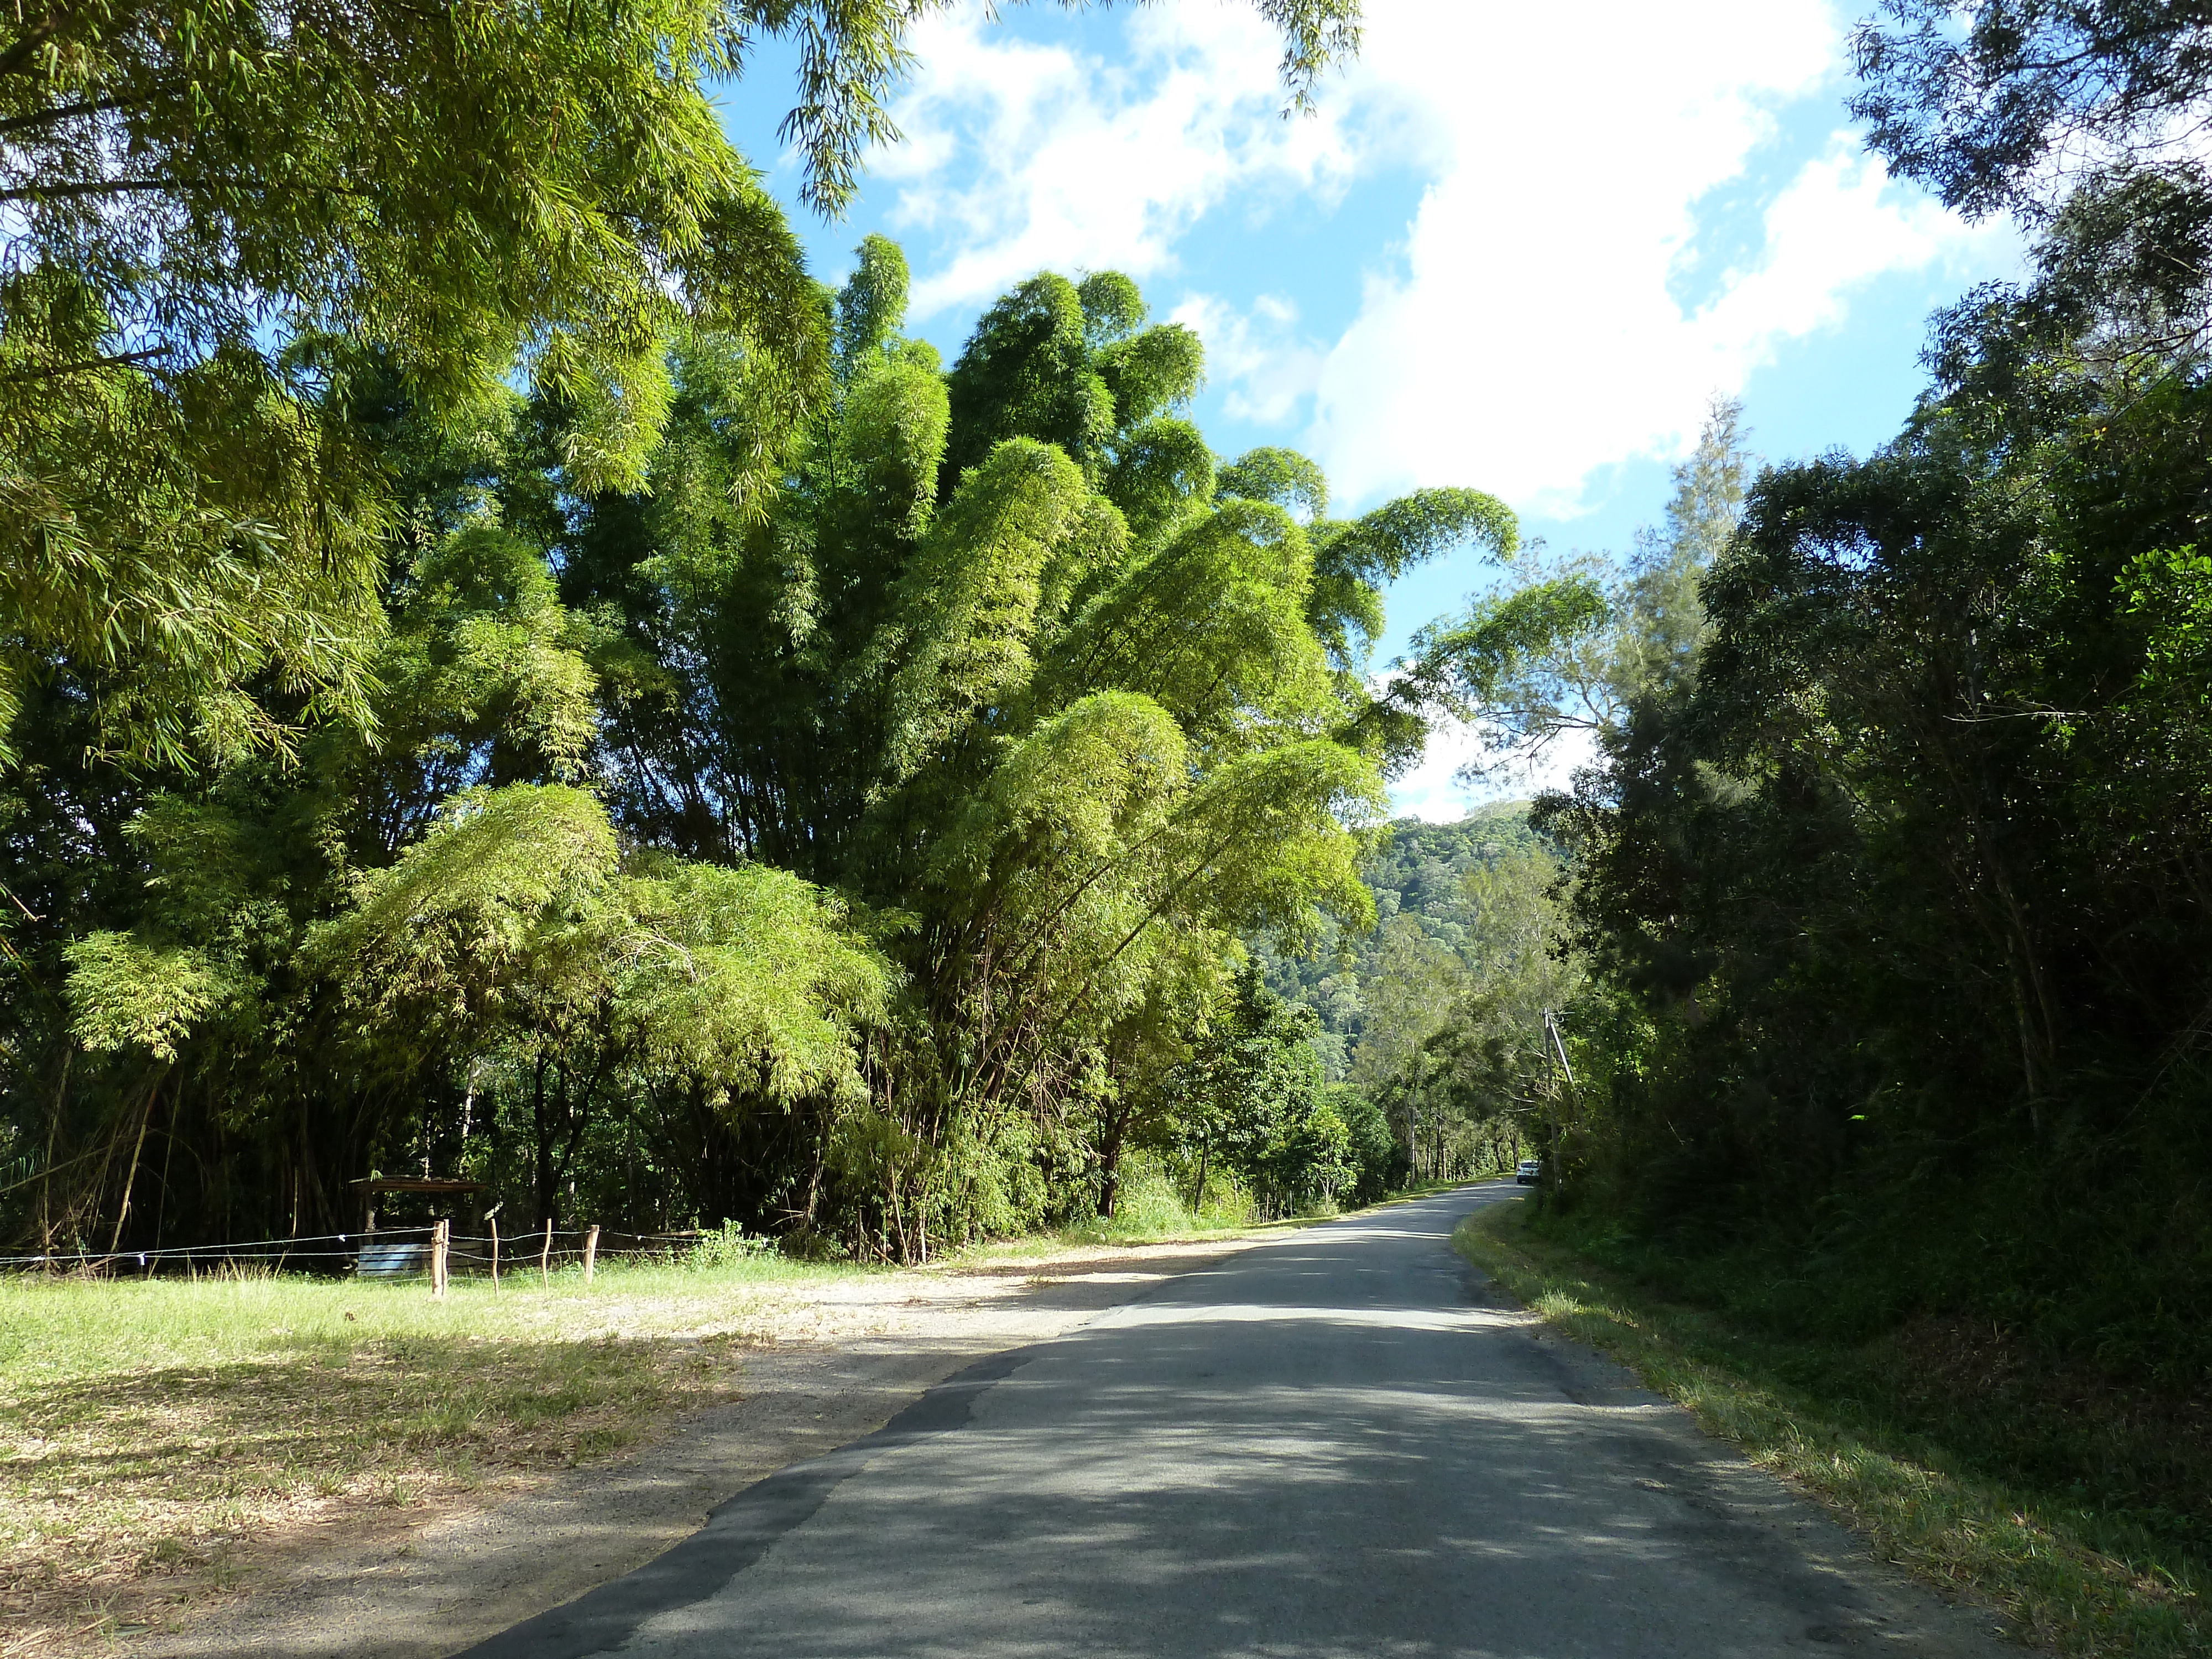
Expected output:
(387, 1253)
(541, 1251)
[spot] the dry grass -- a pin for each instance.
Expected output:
(2071, 1578)
(151, 1434)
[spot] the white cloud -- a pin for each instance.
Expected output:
(1530, 329)
(1535, 333)
(1069, 162)
(1270, 367)
(1459, 771)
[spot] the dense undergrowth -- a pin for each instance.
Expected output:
(2093, 1256)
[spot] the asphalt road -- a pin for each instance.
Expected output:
(1342, 1441)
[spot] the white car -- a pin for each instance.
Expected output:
(1529, 1171)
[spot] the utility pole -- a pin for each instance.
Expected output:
(1559, 1047)
(1558, 1054)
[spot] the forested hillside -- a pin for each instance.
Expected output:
(1392, 1002)
(1418, 871)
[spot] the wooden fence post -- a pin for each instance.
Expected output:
(438, 1238)
(591, 1250)
(494, 1252)
(546, 1257)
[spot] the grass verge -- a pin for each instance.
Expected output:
(2073, 1575)
(151, 1431)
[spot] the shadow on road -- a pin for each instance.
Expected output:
(1323, 1446)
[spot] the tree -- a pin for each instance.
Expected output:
(1573, 645)
(1250, 1103)
(2074, 114)
(221, 216)
(512, 931)
(219, 212)
(1002, 654)
(1894, 912)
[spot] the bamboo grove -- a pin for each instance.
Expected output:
(850, 830)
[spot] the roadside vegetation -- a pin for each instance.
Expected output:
(2076, 1510)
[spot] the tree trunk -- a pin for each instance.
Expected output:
(47, 1171)
(542, 1135)
(130, 1180)
(1111, 1141)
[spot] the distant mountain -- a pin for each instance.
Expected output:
(1419, 867)
(1415, 872)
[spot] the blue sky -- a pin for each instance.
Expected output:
(1519, 248)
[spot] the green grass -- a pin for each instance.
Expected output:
(54, 1328)
(1899, 1439)
(148, 1429)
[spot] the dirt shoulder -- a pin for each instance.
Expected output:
(819, 1365)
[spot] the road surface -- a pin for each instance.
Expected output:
(1342, 1443)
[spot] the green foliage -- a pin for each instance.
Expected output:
(842, 836)
(1151, 373)
(225, 217)
(223, 211)
(512, 924)
(446, 928)
(1048, 696)
(1114, 307)
(1250, 1100)
(495, 668)
(1162, 472)
(168, 546)
(1442, 1017)
(1027, 370)
(1353, 560)
(311, 157)
(1427, 882)
(1280, 476)
(127, 994)
(872, 305)
(1500, 657)
(1890, 879)
(748, 978)
(974, 590)
(1378, 1162)
(726, 1246)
